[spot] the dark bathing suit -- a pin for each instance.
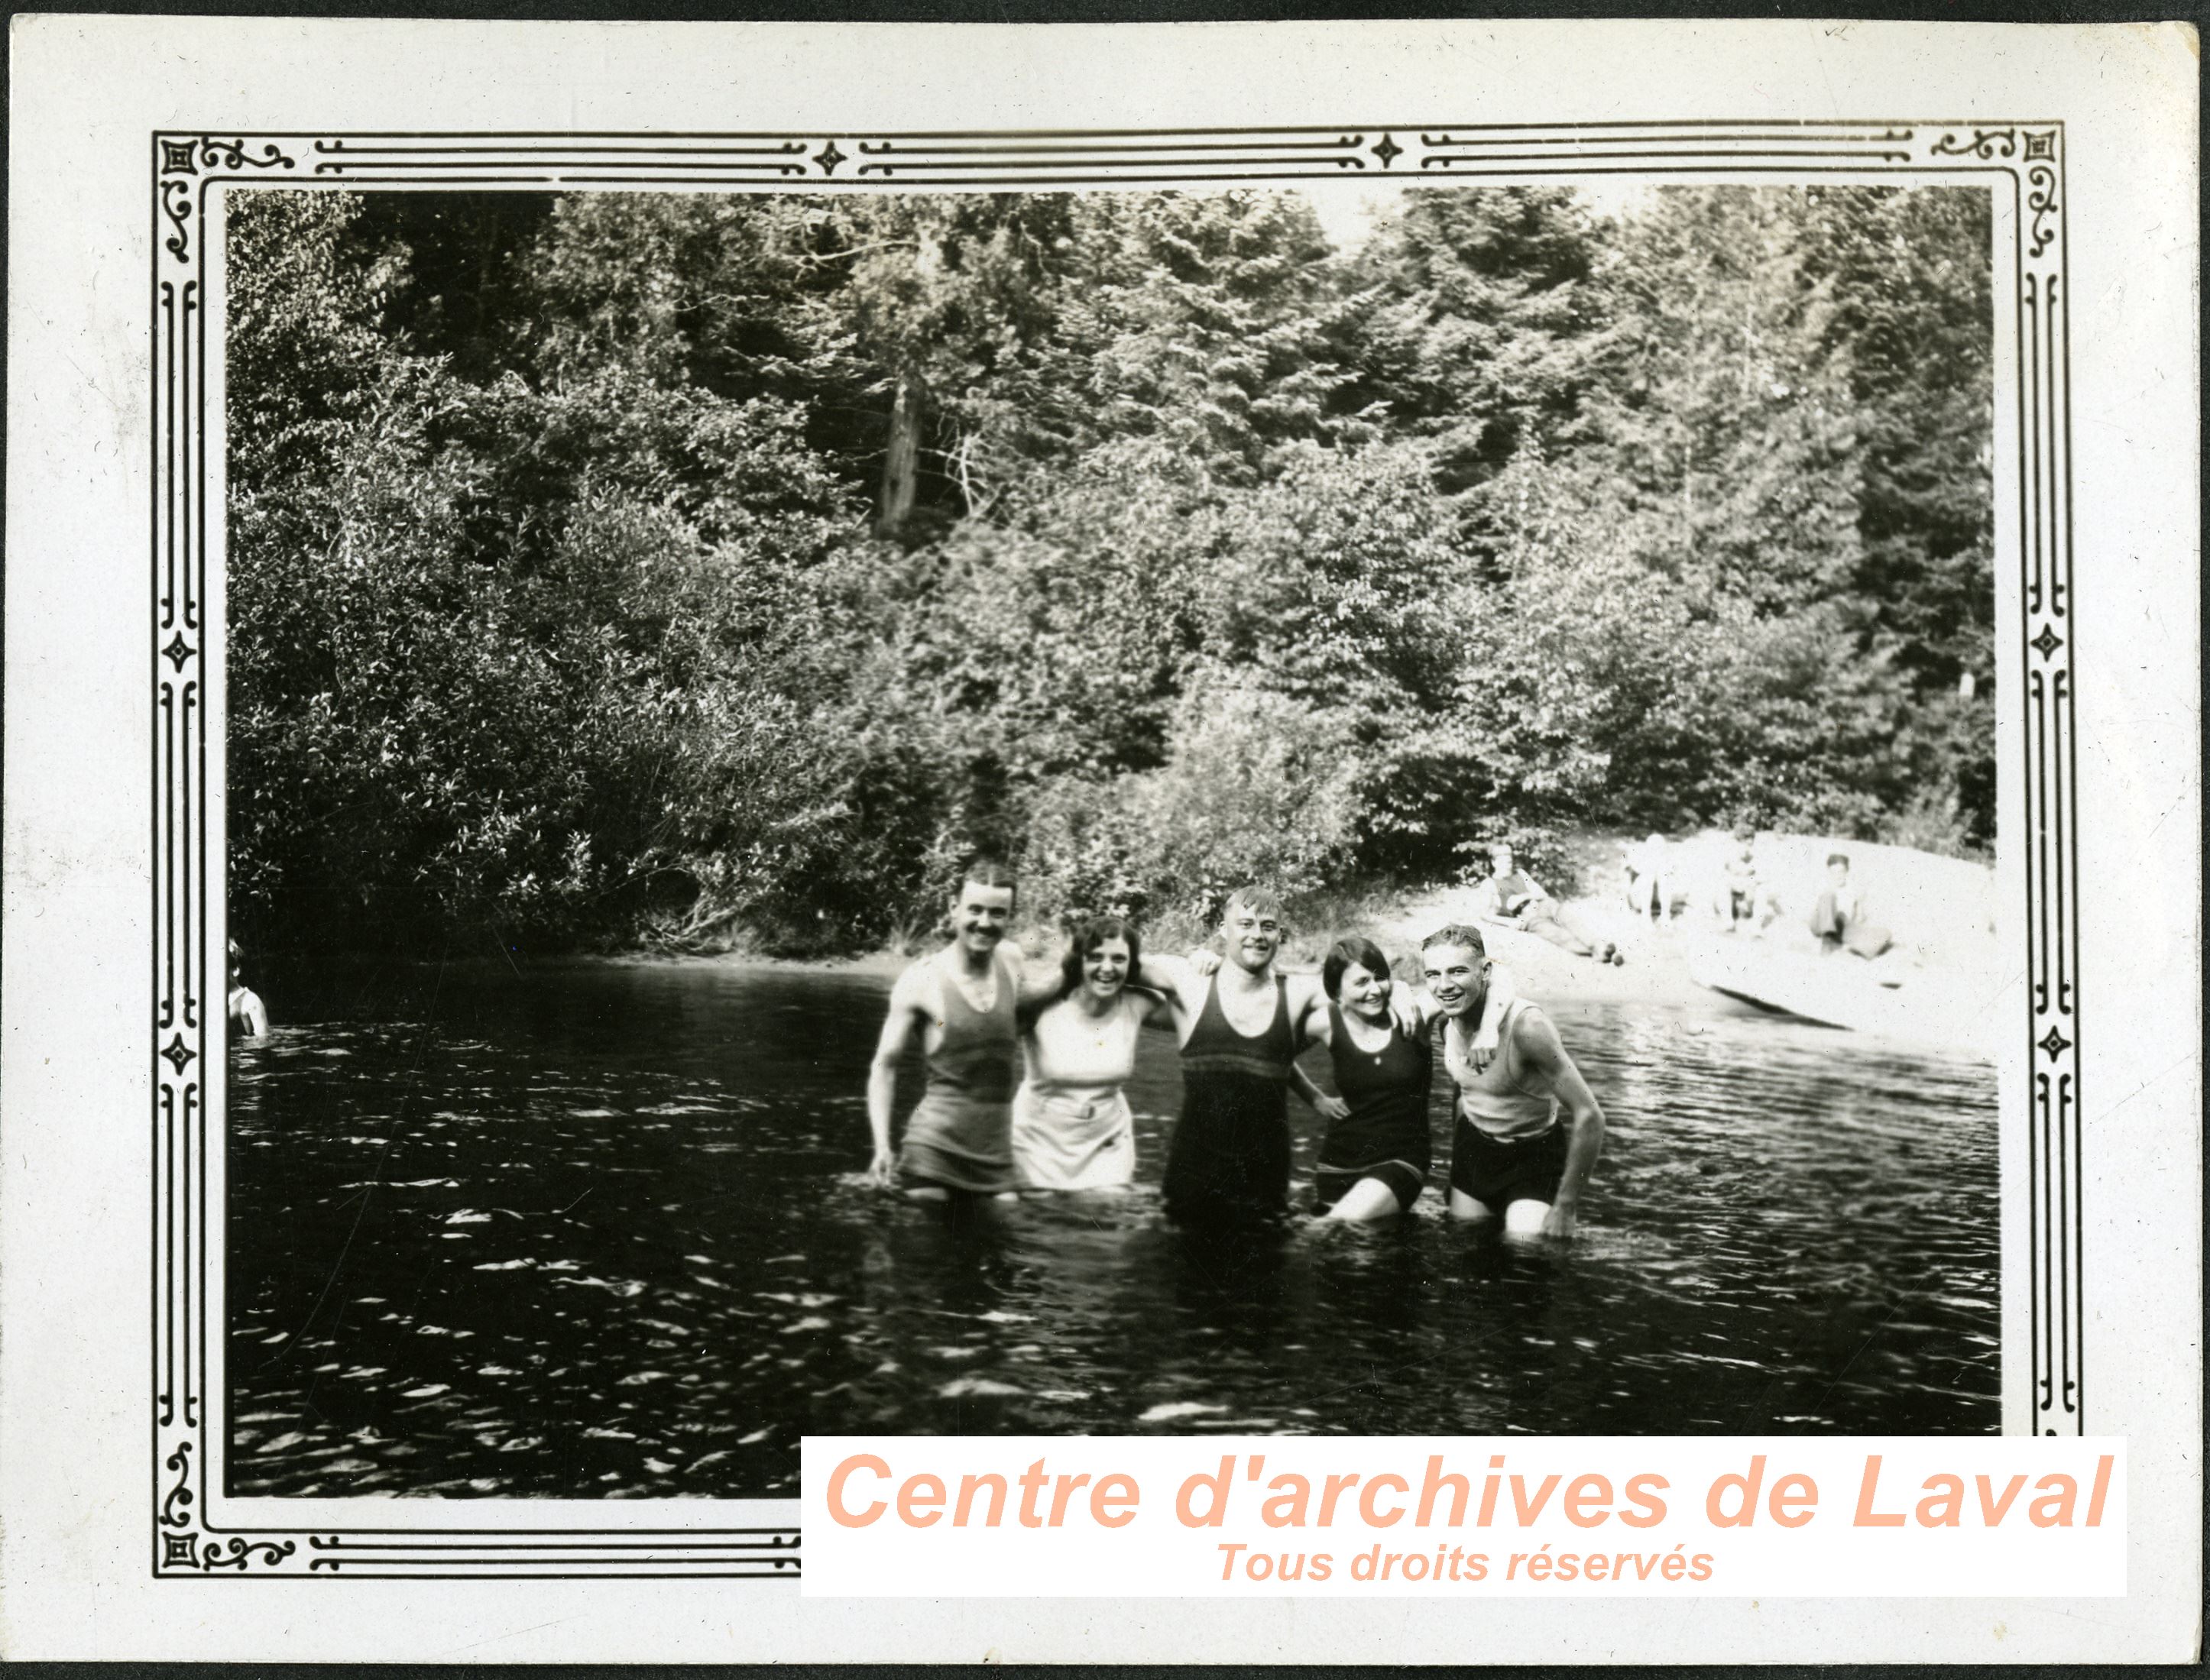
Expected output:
(1509, 1146)
(1229, 1163)
(1385, 1135)
(961, 1136)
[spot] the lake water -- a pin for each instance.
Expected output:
(600, 1230)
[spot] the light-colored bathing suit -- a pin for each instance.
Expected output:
(1071, 1126)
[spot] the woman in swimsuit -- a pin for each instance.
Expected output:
(1373, 1162)
(1072, 1129)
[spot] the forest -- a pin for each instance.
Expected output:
(691, 571)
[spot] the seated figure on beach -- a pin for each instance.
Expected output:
(1740, 890)
(1512, 898)
(1512, 1156)
(963, 1001)
(1374, 1161)
(1072, 1129)
(1840, 918)
(243, 1005)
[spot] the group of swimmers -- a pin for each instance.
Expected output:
(1026, 1066)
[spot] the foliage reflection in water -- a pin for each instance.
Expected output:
(599, 1230)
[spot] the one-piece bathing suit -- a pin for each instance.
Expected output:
(1228, 1161)
(1385, 1135)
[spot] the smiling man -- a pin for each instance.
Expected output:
(963, 1001)
(1511, 1157)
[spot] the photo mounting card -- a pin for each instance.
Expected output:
(182, 1206)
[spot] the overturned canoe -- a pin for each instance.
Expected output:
(1839, 991)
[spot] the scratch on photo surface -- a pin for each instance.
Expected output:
(518, 1632)
(376, 1179)
(1870, 1337)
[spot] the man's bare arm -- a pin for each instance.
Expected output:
(1176, 977)
(881, 1073)
(1328, 1108)
(1040, 979)
(1554, 1070)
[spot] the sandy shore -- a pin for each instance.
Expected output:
(1939, 907)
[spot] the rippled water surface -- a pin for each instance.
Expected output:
(600, 1230)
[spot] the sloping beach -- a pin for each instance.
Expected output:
(1940, 910)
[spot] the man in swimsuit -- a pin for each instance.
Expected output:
(963, 1001)
(1240, 1029)
(1512, 1155)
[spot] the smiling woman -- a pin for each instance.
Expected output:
(1073, 1129)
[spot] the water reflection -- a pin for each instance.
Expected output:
(600, 1230)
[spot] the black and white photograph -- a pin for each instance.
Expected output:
(743, 760)
(1256, 809)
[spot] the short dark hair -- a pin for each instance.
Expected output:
(1834, 857)
(1349, 953)
(1088, 938)
(987, 872)
(1259, 900)
(1457, 933)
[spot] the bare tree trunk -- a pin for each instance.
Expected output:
(902, 459)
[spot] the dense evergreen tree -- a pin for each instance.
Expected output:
(689, 566)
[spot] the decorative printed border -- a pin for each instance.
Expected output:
(189, 1018)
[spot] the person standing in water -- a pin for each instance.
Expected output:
(1374, 1161)
(1227, 1162)
(1071, 1126)
(243, 1005)
(963, 1003)
(1511, 1157)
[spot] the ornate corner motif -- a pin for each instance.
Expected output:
(2041, 204)
(187, 1546)
(1984, 143)
(180, 1551)
(187, 165)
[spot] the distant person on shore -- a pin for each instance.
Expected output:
(1741, 895)
(1512, 898)
(964, 1001)
(1738, 882)
(1840, 918)
(1072, 1129)
(244, 1006)
(1511, 1156)
(1374, 1161)
(1648, 876)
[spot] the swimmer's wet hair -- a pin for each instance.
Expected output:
(1350, 953)
(987, 872)
(1455, 934)
(1259, 900)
